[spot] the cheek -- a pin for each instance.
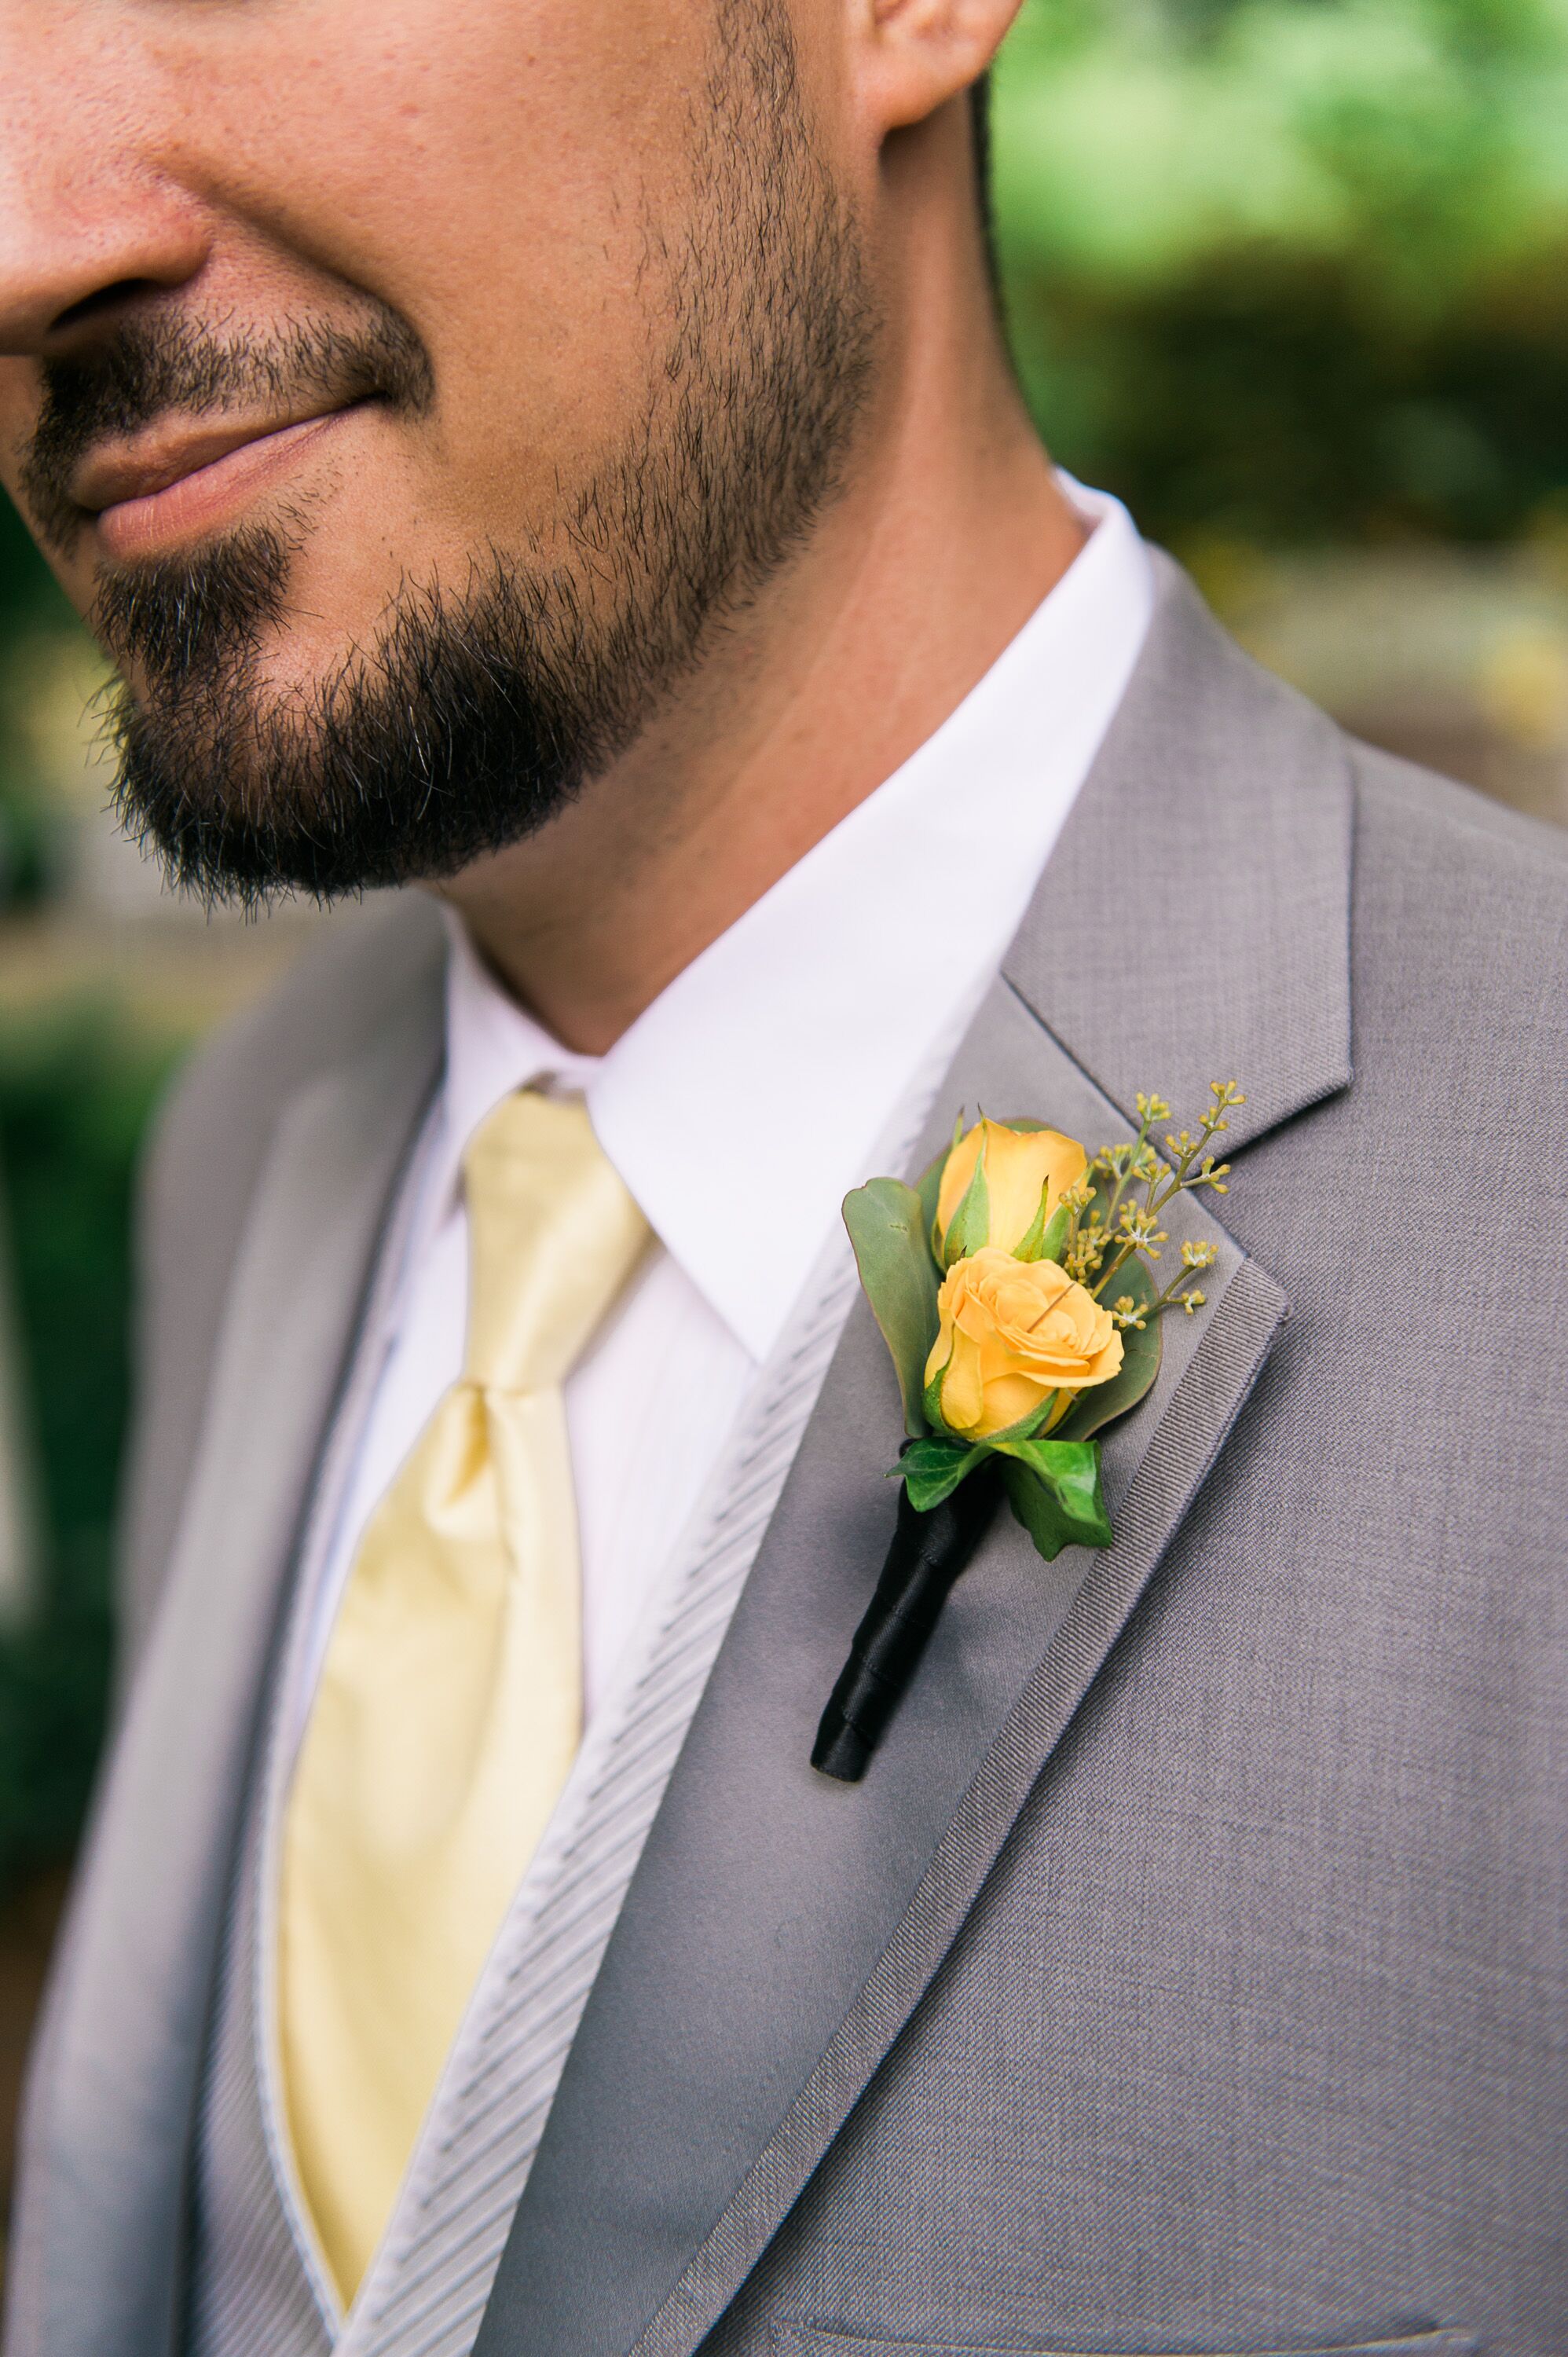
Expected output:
(494, 173)
(18, 407)
(18, 415)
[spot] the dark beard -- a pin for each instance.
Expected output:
(478, 714)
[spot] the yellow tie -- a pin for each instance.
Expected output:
(449, 1706)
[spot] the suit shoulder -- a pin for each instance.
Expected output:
(1423, 813)
(1459, 979)
(1458, 899)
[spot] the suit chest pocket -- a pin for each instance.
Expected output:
(811, 2341)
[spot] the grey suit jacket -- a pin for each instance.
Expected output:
(1187, 1974)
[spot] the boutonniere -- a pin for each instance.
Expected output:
(1016, 1290)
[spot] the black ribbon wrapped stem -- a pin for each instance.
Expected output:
(928, 1553)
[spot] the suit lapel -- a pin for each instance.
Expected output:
(780, 1928)
(1193, 923)
(96, 2251)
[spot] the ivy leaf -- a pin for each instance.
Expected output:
(1054, 1488)
(1093, 1410)
(932, 1470)
(888, 1230)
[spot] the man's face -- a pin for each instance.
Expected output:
(407, 391)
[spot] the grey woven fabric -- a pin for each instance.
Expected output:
(250, 2293)
(1189, 1972)
(254, 2286)
(253, 2282)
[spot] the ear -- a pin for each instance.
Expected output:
(914, 55)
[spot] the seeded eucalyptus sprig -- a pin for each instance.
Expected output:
(1124, 1227)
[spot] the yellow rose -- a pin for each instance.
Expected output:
(1020, 1166)
(1011, 1331)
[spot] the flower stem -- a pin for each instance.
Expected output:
(926, 1554)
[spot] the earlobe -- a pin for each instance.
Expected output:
(917, 54)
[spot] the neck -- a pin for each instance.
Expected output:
(949, 531)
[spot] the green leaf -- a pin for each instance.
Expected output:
(929, 1188)
(1140, 1363)
(931, 1398)
(1054, 1488)
(887, 1229)
(970, 1228)
(1034, 1507)
(932, 1470)
(1045, 1237)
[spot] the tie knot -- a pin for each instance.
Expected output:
(552, 1236)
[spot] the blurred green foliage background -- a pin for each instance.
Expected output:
(1288, 275)
(1296, 270)
(76, 1087)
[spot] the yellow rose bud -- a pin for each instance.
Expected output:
(1020, 1166)
(1011, 1331)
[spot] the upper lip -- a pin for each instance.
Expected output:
(168, 450)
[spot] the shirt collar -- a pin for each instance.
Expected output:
(744, 1103)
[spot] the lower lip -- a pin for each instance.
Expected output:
(210, 497)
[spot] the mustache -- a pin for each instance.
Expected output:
(152, 367)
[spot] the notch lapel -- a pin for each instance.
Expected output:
(95, 2257)
(780, 1928)
(1193, 923)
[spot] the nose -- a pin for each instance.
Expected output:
(88, 222)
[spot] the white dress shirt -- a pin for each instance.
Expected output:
(749, 1099)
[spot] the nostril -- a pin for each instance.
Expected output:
(93, 308)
